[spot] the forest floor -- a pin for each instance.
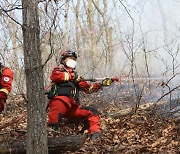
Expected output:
(142, 132)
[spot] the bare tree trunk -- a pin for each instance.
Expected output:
(93, 47)
(37, 129)
(108, 37)
(77, 25)
(65, 35)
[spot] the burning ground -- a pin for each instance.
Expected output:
(140, 131)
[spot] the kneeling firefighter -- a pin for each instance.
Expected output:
(6, 78)
(64, 95)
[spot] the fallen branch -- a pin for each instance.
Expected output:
(55, 145)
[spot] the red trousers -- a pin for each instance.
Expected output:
(72, 111)
(1, 105)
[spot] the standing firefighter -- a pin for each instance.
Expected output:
(6, 77)
(64, 93)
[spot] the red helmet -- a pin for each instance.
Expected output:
(67, 53)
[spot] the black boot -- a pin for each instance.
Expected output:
(56, 126)
(85, 127)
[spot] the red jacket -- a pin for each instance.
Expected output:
(5, 82)
(60, 75)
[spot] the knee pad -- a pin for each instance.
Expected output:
(60, 116)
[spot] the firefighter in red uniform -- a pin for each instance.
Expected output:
(63, 95)
(6, 77)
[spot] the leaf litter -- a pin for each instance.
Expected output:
(142, 132)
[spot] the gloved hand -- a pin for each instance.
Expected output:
(107, 82)
(79, 78)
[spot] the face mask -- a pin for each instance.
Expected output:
(71, 63)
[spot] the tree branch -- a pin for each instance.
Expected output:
(6, 12)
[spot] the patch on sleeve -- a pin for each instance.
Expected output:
(6, 79)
